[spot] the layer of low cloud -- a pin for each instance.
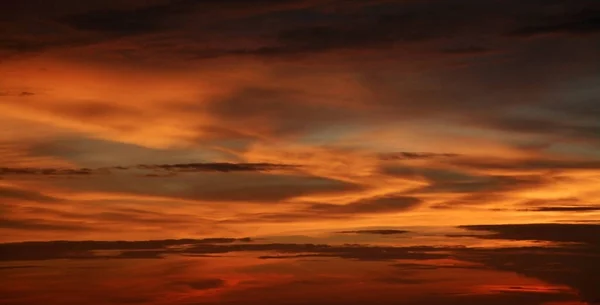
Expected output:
(581, 233)
(376, 232)
(569, 265)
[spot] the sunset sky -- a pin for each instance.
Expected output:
(293, 151)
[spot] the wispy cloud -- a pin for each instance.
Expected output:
(173, 168)
(376, 232)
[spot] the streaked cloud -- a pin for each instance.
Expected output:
(380, 232)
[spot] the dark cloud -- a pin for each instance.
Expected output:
(573, 130)
(468, 200)
(98, 153)
(84, 249)
(94, 111)
(17, 267)
(483, 184)
(365, 254)
(565, 209)
(354, 252)
(303, 26)
(126, 22)
(143, 254)
(245, 186)
(32, 216)
(418, 266)
(42, 225)
(45, 171)
(217, 167)
(465, 176)
(583, 22)
(21, 46)
(280, 112)
(375, 232)
(205, 284)
(434, 298)
(383, 204)
(403, 281)
(497, 298)
(470, 50)
(585, 109)
(527, 164)
(172, 168)
(151, 18)
(35, 34)
(325, 211)
(581, 233)
(26, 195)
(10, 46)
(368, 31)
(190, 247)
(414, 155)
(390, 25)
(568, 201)
(35, 26)
(574, 267)
(427, 173)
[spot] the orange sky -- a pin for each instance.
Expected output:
(293, 120)
(91, 115)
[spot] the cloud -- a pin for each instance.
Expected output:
(581, 233)
(528, 164)
(25, 195)
(462, 184)
(143, 254)
(497, 298)
(85, 249)
(402, 281)
(234, 186)
(326, 211)
(172, 168)
(376, 232)
(280, 112)
(217, 167)
(470, 50)
(387, 26)
(382, 204)
(157, 17)
(583, 22)
(17, 267)
(205, 284)
(41, 225)
(550, 127)
(575, 266)
(418, 266)
(126, 22)
(484, 184)
(157, 248)
(565, 209)
(414, 155)
(584, 110)
(45, 171)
